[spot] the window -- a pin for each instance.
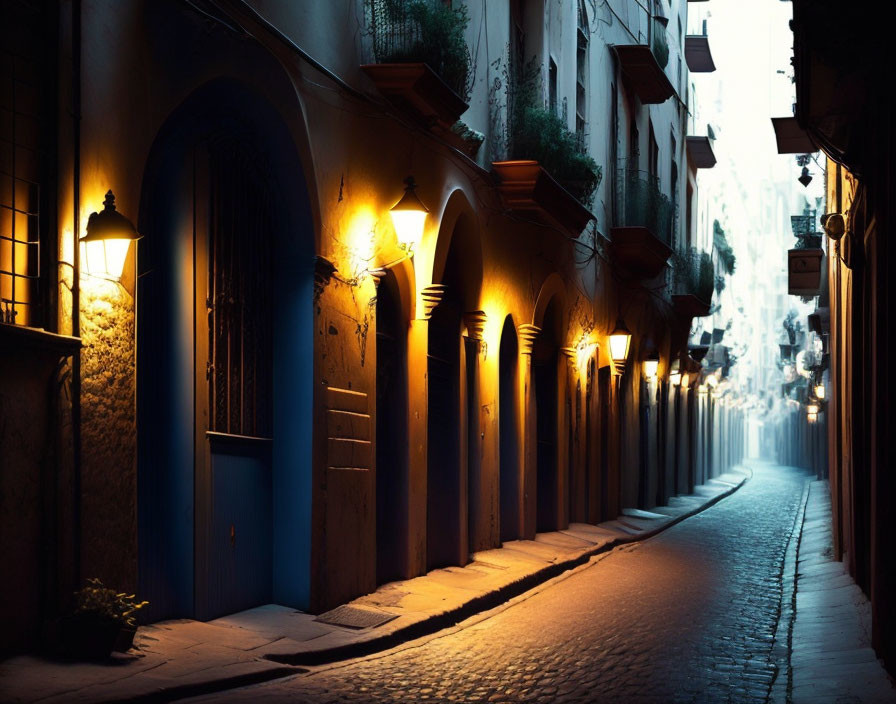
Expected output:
(581, 75)
(552, 86)
(24, 127)
(653, 154)
(517, 38)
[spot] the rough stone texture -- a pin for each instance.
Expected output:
(688, 616)
(108, 431)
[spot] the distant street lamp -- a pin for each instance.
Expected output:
(409, 216)
(620, 341)
(651, 364)
(109, 235)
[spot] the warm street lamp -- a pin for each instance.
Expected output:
(409, 216)
(812, 409)
(819, 392)
(812, 417)
(651, 364)
(109, 235)
(620, 340)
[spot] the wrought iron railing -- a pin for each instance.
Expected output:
(640, 203)
(423, 31)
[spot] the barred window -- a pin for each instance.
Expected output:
(23, 106)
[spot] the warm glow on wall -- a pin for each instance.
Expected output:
(105, 246)
(685, 380)
(409, 217)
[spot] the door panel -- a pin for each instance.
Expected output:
(240, 534)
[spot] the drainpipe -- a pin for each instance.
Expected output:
(76, 287)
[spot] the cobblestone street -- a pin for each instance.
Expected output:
(688, 616)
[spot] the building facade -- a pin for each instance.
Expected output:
(276, 400)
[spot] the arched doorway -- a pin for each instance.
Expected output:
(224, 361)
(548, 381)
(443, 490)
(453, 471)
(508, 418)
(391, 433)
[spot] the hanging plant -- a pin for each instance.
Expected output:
(423, 31)
(535, 132)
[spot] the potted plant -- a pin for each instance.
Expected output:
(423, 63)
(694, 281)
(103, 621)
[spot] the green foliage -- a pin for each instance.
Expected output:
(693, 273)
(539, 134)
(423, 31)
(720, 242)
(98, 600)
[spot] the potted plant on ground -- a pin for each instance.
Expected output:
(103, 621)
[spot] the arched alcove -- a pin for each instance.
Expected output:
(509, 430)
(224, 360)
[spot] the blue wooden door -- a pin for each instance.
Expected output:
(234, 379)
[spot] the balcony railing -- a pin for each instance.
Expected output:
(640, 203)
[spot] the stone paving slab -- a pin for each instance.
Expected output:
(181, 658)
(832, 660)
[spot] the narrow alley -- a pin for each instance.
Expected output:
(690, 615)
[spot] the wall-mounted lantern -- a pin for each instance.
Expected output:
(819, 392)
(408, 217)
(812, 409)
(109, 235)
(620, 341)
(812, 417)
(651, 364)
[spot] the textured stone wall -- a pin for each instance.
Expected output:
(108, 467)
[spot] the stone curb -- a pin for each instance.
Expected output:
(485, 602)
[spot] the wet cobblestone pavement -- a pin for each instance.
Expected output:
(688, 616)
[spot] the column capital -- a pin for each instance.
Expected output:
(474, 321)
(432, 296)
(527, 334)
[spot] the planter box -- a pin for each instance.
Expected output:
(804, 271)
(88, 637)
(688, 305)
(525, 186)
(416, 89)
(638, 252)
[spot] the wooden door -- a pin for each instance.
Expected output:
(234, 379)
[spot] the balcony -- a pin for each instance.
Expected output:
(700, 152)
(643, 224)
(526, 187)
(697, 53)
(791, 138)
(642, 66)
